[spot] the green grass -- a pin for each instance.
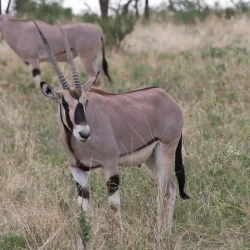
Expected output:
(12, 241)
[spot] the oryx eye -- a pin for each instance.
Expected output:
(86, 103)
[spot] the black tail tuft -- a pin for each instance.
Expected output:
(179, 171)
(184, 196)
(104, 61)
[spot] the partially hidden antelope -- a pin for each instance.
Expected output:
(85, 40)
(105, 130)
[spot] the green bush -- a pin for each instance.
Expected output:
(46, 12)
(51, 12)
(116, 27)
(189, 12)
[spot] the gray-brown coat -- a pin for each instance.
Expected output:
(86, 41)
(105, 130)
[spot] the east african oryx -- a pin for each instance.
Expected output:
(86, 41)
(105, 130)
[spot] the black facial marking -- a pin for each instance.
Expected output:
(36, 72)
(82, 191)
(66, 108)
(26, 63)
(80, 118)
(67, 131)
(113, 184)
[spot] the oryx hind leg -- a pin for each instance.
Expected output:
(96, 68)
(91, 64)
(164, 162)
(150, 163)
(35, 67)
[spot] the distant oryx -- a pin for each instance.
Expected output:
(105, 130)
(85, 40)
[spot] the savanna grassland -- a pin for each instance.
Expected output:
(206, 68)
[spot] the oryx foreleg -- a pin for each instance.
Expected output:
(113, 181)
(81, 179)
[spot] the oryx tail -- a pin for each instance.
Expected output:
(179, 170)
(104, 61)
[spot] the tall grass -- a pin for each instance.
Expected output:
(209, 78)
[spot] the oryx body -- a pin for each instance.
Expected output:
(86, 41)
(105, 130)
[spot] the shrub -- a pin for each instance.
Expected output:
(46, 12)
(116, 27)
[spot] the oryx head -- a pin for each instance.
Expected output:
(72, 101)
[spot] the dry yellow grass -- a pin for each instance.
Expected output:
(210, 80)
(177, 38)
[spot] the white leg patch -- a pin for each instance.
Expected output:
(84, 203)
(80, 176)
(37, 79)
(114, 199)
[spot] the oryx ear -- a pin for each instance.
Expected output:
(50, 92)
(88, 85)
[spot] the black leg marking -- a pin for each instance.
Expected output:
(82, 191)
(36, 72)
(113, 184)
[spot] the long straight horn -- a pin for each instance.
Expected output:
(8, 7)
(53, 59)
(70, 59)
(0, 7)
